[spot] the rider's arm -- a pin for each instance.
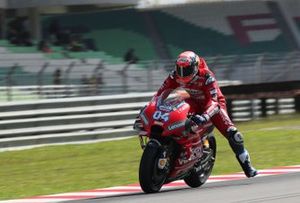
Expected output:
(169, 84)
(213, 99)
(221, 99)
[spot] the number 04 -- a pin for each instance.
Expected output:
(159, 115)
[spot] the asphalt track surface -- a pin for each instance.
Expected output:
(268, 189)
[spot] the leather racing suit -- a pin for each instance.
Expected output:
(207, 99)
(206, 96)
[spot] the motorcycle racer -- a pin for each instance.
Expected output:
(193, 75)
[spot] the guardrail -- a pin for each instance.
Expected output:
(69, 119)
(93, 118)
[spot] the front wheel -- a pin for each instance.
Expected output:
(202, 171)
(150, 176)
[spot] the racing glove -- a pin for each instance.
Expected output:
(200, 119)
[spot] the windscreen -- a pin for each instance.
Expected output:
(170, 99)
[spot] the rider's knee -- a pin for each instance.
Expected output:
(236, 140)
(234, 136)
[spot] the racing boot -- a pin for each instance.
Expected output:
(236, 141)
(244, 160)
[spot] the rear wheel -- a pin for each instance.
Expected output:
(150, 176)
(202, 171)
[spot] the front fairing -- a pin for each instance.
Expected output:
(167, 111)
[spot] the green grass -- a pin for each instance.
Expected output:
(70, 168)
(271, 142)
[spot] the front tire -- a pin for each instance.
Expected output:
(150, 176)
(196, 179)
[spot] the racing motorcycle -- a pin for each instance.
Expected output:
(174, 147)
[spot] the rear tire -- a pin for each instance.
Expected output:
(196, 179)
(150, 176)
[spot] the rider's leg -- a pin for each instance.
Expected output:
(224, 124)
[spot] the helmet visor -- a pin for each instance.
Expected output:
(185, 71)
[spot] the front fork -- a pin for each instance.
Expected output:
(163, 160)
(143, 141)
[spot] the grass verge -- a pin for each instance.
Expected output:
(41, 171)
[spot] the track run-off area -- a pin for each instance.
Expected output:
(280, 184)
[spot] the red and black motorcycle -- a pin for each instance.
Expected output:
(174, 147)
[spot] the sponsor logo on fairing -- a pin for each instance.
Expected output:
(196, 152)
(176, 125)
(165, 108)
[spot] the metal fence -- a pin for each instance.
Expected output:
(71, 120)
(30, 77)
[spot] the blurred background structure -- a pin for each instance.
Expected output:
(55, 50)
